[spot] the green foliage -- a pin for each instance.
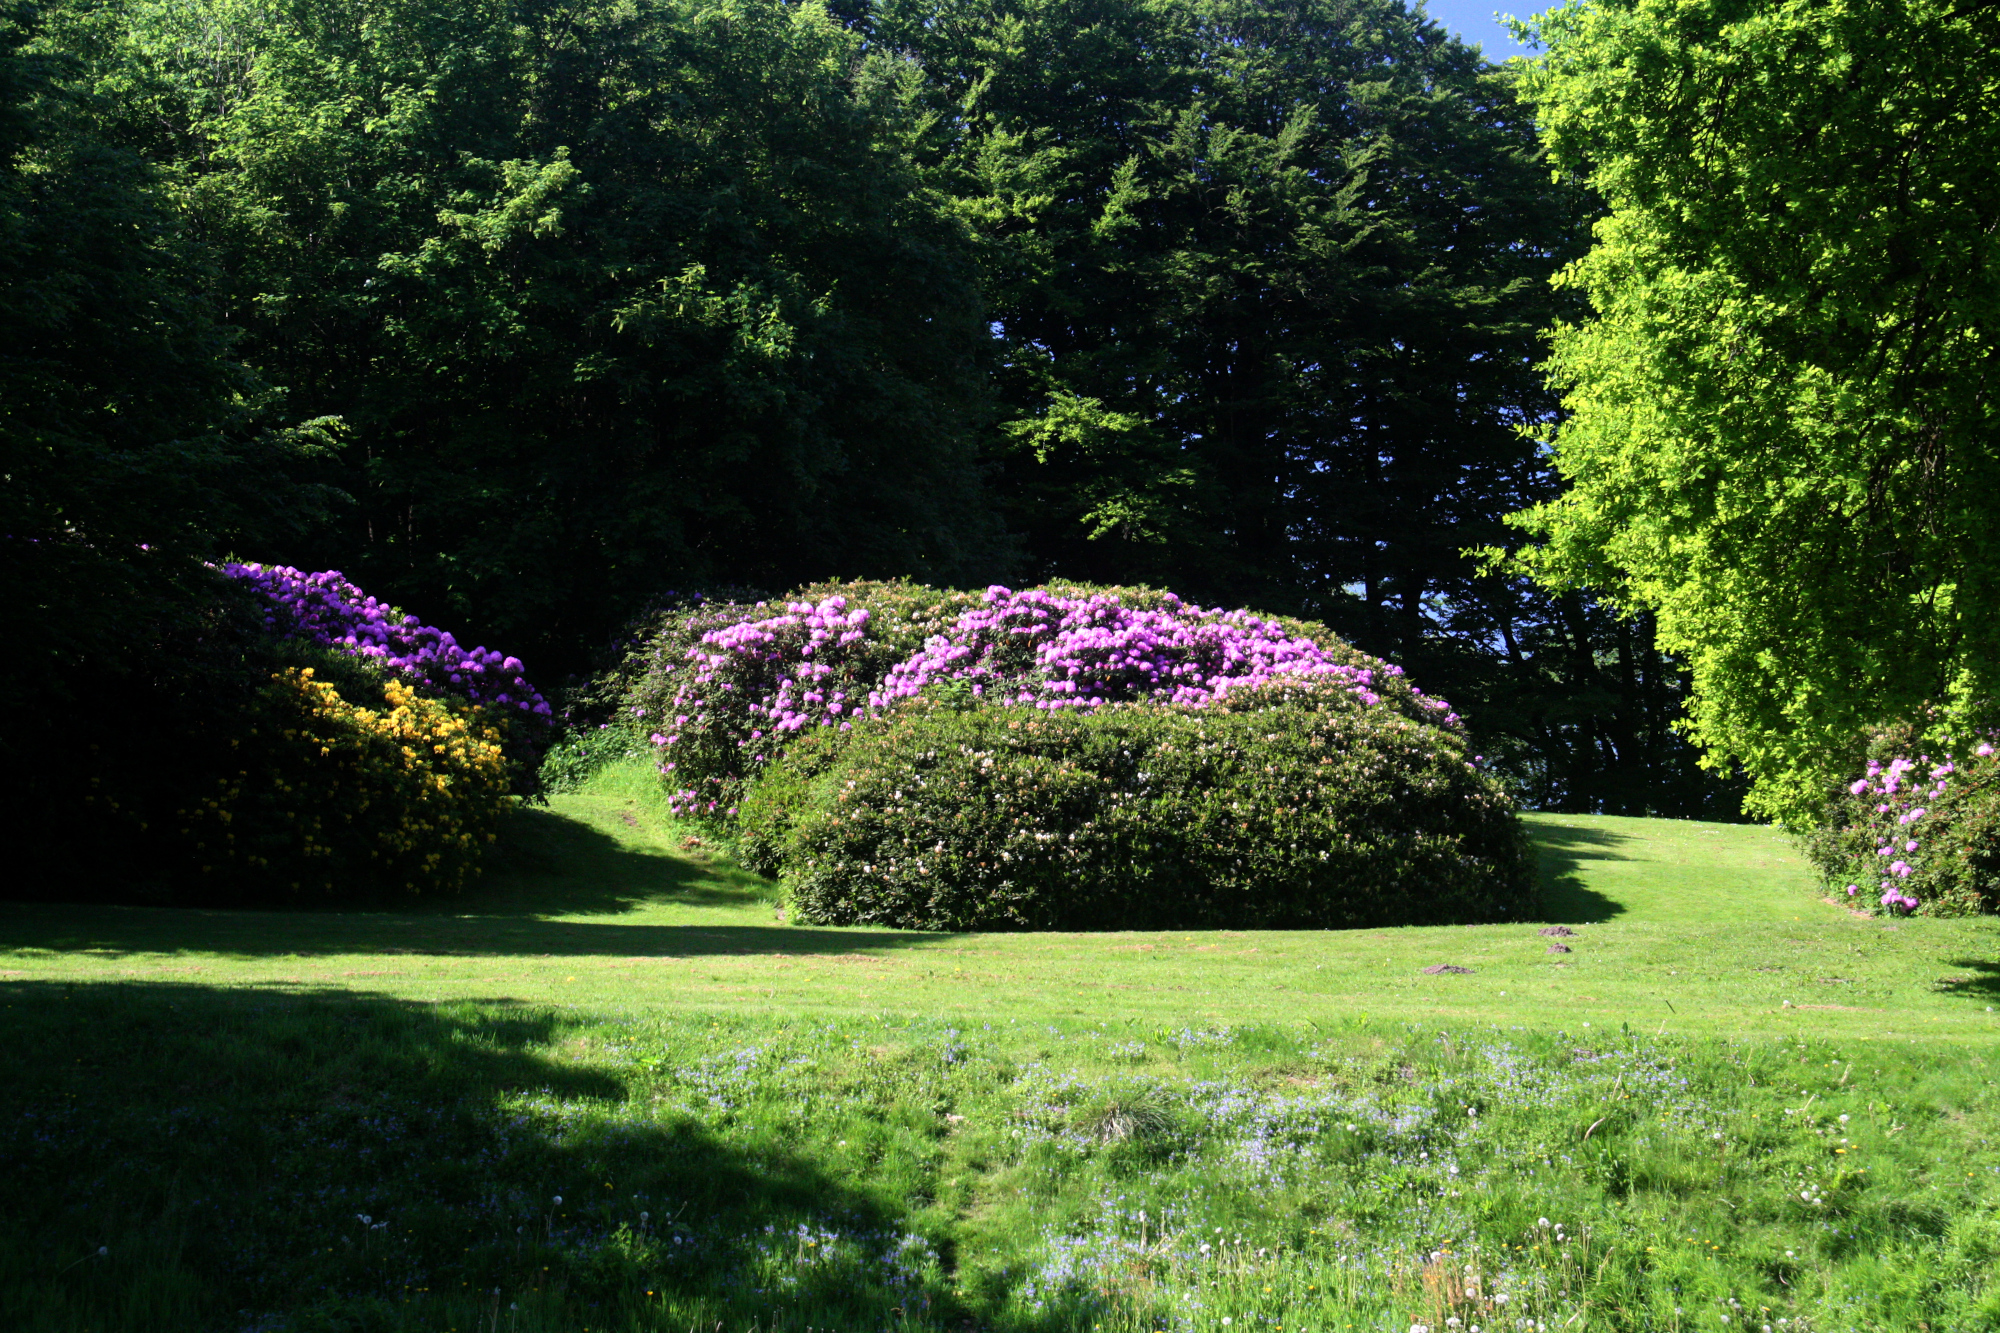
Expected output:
(614, 295)
(349, 795)
(583, 752)
(1297, 809)
(131, 438)
(782, 792)
(1780, 414)
(1231, 249)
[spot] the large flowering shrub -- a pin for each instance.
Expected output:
(726, 704)
(1054, 651)
(1916, 835)
(721, 688)
(1305, 807)
(332, 794)
(326, 609)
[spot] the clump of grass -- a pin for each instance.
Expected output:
(1141, 1114)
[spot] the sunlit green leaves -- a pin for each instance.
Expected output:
(1780, 437)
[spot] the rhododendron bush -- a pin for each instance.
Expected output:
(1915, 835)
(346, 788)
(1319, 766)
(1292, 810)
(368, 752)
(326, 609)
(726, 704)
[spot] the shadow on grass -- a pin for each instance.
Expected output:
(187, 1158)
(249, 934)
(1563, 851)
(1985, 985)
(550, 864)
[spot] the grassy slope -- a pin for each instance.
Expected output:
(614, 1091)
(1682, 927)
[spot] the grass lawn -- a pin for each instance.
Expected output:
(1742, 1105)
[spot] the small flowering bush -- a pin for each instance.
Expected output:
(325, 609)
(734, 686)
(1305, 807)
(334, 793)
(1916, 835)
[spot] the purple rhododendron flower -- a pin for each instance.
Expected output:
(326, 609)
(811, 667)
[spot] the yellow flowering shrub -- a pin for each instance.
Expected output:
(334, 796)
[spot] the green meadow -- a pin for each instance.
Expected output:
(617, 1090)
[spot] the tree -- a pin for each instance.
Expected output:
(613, 297)
(133, 447)
(1269, 279)
(1780, 430)
(131, 439)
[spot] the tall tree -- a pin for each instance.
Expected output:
(133, 447)
(1782, 412)
(1270, 281)
(131, 439)
(612, 296)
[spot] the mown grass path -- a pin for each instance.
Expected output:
(1680, 927)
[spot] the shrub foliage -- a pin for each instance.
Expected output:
(1296, 806)
(334, 794)
(303, 739)
(324, 608)
(1068, 757)
(731, 687)
(1915, 835)
(717, 682)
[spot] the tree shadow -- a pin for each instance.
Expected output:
(252, 934)
(548, 863)
(1984, 985)
(544, 863)
(1562, 851)
(184, 1157)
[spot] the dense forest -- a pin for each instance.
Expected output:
(533, 316)
(527, 315)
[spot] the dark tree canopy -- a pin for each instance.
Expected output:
(1269, 281)
(611, 297)
(132, 439)
(616, 297)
